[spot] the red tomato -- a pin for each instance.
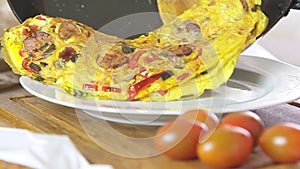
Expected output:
(228, 146)
(210, 119)
(247, 120)
(179, 139)
(202, 115)
(281, 142)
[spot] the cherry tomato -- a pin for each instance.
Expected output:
(179, 139)
(210, 119)
(247, 120)
(202, 115)
(281, 142)
(228, 146)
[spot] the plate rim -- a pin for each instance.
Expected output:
(23, 80)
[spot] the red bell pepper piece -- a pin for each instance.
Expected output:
(25, 65)
(143, 72)
(25, 32)
(22, 52)
(133, 90)
(111, 89)
(162, 92)
(41, 17)
(93, 87)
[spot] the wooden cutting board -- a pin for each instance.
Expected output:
(7, 78)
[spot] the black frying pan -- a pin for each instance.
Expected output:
(97, 13)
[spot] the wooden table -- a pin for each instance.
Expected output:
(19, 109)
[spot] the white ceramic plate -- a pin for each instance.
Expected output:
(256, 83)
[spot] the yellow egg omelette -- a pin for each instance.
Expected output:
(194, 52)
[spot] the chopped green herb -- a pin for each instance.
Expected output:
(75, 57)
(204, 72)
(49, 51)
(40, 79)
(167, 74)
(127, 49)
(255, 8)
(79, 93)
(60, 64)
(44, 64)
(186, 96)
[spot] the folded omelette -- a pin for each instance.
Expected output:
(193, 52)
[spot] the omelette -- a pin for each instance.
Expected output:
(170, 10)
(192, 52)
(45, 48)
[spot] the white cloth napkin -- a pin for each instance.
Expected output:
(41, 151)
